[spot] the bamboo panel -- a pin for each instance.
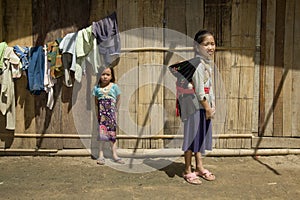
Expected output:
(172, 122)
(220, 101)
(150, 110)
(127, 70)
(277, 142)
(245, 110)
(269, 75)
(232, 120)
(231, 125)
(150, 90)
(234, 143)
(288, 61)
(246, 95)
(296, 74)
(232, 101)
(219, 144)
(128, 82)
(149, 103)
(246, 143)
(222, 86)
(242, 83)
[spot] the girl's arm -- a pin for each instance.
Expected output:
(118, 103)
(209, 111)
(96, 107)
(198, 80)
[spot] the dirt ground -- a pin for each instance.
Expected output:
(42, 177)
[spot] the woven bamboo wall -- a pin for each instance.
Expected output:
(259, 101)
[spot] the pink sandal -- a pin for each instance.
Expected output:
(207, 175)
(192, 178)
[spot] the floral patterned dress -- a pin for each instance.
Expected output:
(107, 99)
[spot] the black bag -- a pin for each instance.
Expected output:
(184, 71)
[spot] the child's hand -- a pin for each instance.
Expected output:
(209, 114)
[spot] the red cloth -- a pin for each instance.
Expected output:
(180, 91)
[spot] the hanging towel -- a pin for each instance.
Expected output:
(23, 53)
(7, 92)
(3, 46)
(35, 71)
(54, 57)
(84, 45)
(107, 34)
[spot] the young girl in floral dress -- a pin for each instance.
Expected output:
(107, 98)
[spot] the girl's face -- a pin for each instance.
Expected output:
(207, 47)
(106, 77)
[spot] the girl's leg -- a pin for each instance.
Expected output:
(101, 145)
(198, 160)
(200, 170)
(188, 175)
(114, 153)
(114, 150)
(188, 161)
(101, 160)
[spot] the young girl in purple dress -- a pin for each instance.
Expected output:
(107, 98)
(197, 105)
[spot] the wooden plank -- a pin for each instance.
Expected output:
(100, 9)
(217, 18)
(256, 81)
(277, 142)
(128, 17)
(175, 16)
(296, 74)
(175, 23)
(267, 122)
(262, 71)
(18, 22)
(194, 23)
(278, 71)
(1, 20)
(288, 65)
(243, 35)
(49, 25)
(18, 30)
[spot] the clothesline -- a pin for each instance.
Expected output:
(90, 46)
